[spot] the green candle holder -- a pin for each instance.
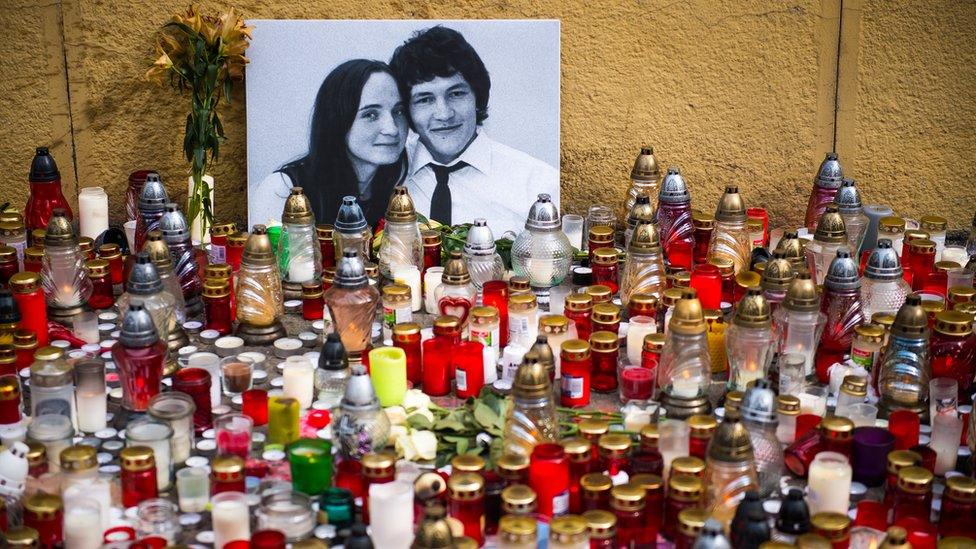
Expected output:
(311, 465)
(338, 505)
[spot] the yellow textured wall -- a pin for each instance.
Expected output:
(733, 92)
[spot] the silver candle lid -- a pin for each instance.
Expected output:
(883, 263)
(480, 241)
(350, 218)
(848, 198)
(173, 225)
(842, 273)
(674, 190)
(359, 390)
(543, 215)
(138, 329)
(350, 272)
(830, 175)
(153, 197)
(759, 404)
(712, 536)
(144, 278)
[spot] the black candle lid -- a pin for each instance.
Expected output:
(333, 356)
(43, 167)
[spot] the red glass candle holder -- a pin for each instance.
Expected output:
(905, 425)
(605, 268)
(760, 213)
(8, 264)
(922, 534)
(138, 475)
(406, 336)
(195, 382)
(267, 539)
(436, 363)
(349, 475)
(576, 370)
(636, 383)
(549, 478)
(226, 475)
(313, 304)
(495, 294)
(707, 280)
(605, 352)
(704, 227)
(799, 455)
(216, 306)
(872, 514)
(9, 399)
(255, 406)
(102, 296)
(45, 513)
(468, 364)
(112, 254)
(30, 301)
(432, 249)
(806, 423)
(326, 236)
(235, 250)
(466, 503)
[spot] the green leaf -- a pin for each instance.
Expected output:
(462, 446)
(451, 423)
(485, 416)
(419, 421)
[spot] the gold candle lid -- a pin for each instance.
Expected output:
(404, 330)
(516, 529)
(915, 480)
(647, 481)
(646, 167)
(400, 208)
(217, 270)
(837, 428)
(650, 435)
(518, 284)
(519, 496)
(688, 317)
(788, 405)
(43, 505)
(468, 463)
(643, 304)
(645, 238)
(512, 463)
(298, 209)
(603, 341)
(531, 378)
(22, 536)
(627, 497)
(7, 253)
(137, 458)
(25, 339)
(484, 315)
(9, 388)
(466, 486)
(953, 323)
(671, 296)
(870, 332)
(59, 230)
(731, 442)
(227, 468)
(601, 524)
(724, 265)
(96, 267)
(79, 457)
(959, 294)
(36, 454)
(654, 343)
(813, 541)
(914, 234)
(899, 459)
(24, 282)
(522, 302)
(434, 530)
(567, 529)
(896, 537)
(378, 464)
(691, 521)
(223, 229)
(680, 279)
(702, 426)
(831, 525)
(731, 207)
(802, 295)
(579, 302)
(600, 234)
(748, 279)
(447, 323)
(605, 256)
(47, 353)
(961, 488)
(593, 427)
(946, 266)
(933, 223)
(595, 482)
(396, 292)
(312, 290)
(831, 227)
(598, 293)
(553, 324)
(237, 239)
(921, 246)
(891, 225)
(967, 307)
(34, 253)
(702, 220)
(605, 313)
(686, 488)
(216, 287)
(431, 237)
(575, 349)
(688, 465)
(855, 385)
(615, 444)
(257, 251)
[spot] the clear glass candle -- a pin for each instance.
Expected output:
(288, 512)
(299, 380)
(158, 436)
(52, 385)
(233, 434)
(193, 489)
(90, 394)
(231, 519)
(79, 516)
(674, 441)
(176, 409)
(829, 483)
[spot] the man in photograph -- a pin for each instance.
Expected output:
(456, 172)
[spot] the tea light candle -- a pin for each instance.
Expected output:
(92, 211)
(228, 346)
(299, 380)
(388, 372)
(411, 277)
(230, 518)
(432, 279)
(682, 387)
(287, 346)
(637, 328)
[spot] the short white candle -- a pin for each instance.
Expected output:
(211, 363)
(682, 387)
(92, 211)
(411, 277)
(394, 502)
(946, 432)
(154, 435)
(98, 490)
(301, 269)
(91, 411)
(829, 485)
(230, 518)
(432, 279)
(80, 515)
(637, 328)
(299, 381)
(490, 356)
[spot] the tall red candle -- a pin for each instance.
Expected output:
(495, 294)
(138, 475)
(549, 478)
(255, 406)
(195, 382)
(30, 300)
(406, 336)
(467, 361)
(436, 362)
(576, 372)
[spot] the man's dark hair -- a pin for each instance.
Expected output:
(440, 51)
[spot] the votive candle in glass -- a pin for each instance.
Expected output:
(79, 517)
(467, 362)
(90, 395)
(466, 503)
(410, 276)
(45, 513)
(394, 502)
(870, 454)
(233, 433)
(231, 518)
(193, 489)
(177, 409)
(158, 436)
(286, 512)
(905, 425)
(673, 441)
(211, 363)
(311, 465)
(406, 336)
(495, 294)
(236, 373)
(138, 475)
(437, 363)
(226, 474)
(946, 432)
(255, 406)
(549, 478)
(195, 382)
(388, 372)
(943, 397)
(299, 381)
(432, 279)
(829, 483)
(283, 415)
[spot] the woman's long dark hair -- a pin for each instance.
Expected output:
(325, 172)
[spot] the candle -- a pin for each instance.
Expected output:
(234, 434)
(196, 231)
(231, 520)
(684, 387)
(299, 382)
(311, 465)
(394, 502)
(158, 436)
(193, 489)
(92, 211)
(637, 328)
(301, 269)
(98, 490)
(211, 363)
(236, 373)
(410, 276)
(432, 279)
(90, 395)
(837, 374)
(388, 372)
(673, 441)
(946, 432)
(829, 484)
(85, 327)
(79, 516)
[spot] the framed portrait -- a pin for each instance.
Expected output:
(464, 114)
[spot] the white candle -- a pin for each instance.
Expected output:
(98, 490)
(837, 374)
(673, 441)
(230, 518)
(211, 363)
(490, 356)
(637, 328)
(301, 269)
(410, 276)
(829, 485)
(684, 387)
(523, 328)
(79, 516)
(299, 382)
(432, 279)
(511, 359)
(92, 211)
(91, 411)
(394, 502)
(156, 436)
(946, 432)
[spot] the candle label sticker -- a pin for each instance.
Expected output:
(487, 338)
(392, 317)
(560, 504)
(862, 358)
(509, 369)
(218, 254)
(572, 386)
(55, 406)
(461, 378)
(517, 325)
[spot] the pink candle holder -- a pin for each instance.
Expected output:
(233, 433)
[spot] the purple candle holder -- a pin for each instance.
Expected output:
(869, 454)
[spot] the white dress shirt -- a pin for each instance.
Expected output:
(499, 183)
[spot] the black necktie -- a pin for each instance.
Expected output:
(440, 203)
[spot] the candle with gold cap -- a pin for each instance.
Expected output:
(259, 294)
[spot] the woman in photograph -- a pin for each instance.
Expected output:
(356, 147)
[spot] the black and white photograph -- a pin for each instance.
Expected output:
(465, 114)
